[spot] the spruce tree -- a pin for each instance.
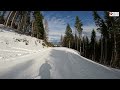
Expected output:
(39, 24)
(78, 27)
(68, 38)
(92, 44)
(102, 28)
(87, 47)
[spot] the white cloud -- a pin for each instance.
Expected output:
(68, 17)
(87, 30)
(57, 28)
(56, 33)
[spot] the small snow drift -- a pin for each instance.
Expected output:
(13, 44)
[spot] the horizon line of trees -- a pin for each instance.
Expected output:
(106, 50)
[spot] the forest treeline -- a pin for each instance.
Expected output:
(106, 50)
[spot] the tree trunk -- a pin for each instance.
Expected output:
(77, 44)
(115, 49)
(105, 50)
(13, 18)
(25, 22)
(80, 43)
(94, 52)
(112, 58)
(83, 49)
(69, 43)
(32, 33)
(20, 24)
(37, 35)
(75, 40)
(101, 48)
(8, 18)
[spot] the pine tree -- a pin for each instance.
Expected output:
(78, 27)
(39, 24)
(28, 22)
(102, 27)
(21, 21)
(92, 44)
(68, 38)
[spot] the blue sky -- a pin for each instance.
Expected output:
(57, 21)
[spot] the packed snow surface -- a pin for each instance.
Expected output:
(65, 64)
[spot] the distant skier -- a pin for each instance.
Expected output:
(44, 71)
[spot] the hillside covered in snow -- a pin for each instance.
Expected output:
(13, 44)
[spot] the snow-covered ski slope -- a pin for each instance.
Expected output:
(23, 61)
(65, 63)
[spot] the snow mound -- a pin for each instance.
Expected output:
(13, 44)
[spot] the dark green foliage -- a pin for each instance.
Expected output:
(39, 24)
(68, 38)
(78, 25)
(1, 20)
(109, 28)
(43, 44)
(2, 14)
(93, 44)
